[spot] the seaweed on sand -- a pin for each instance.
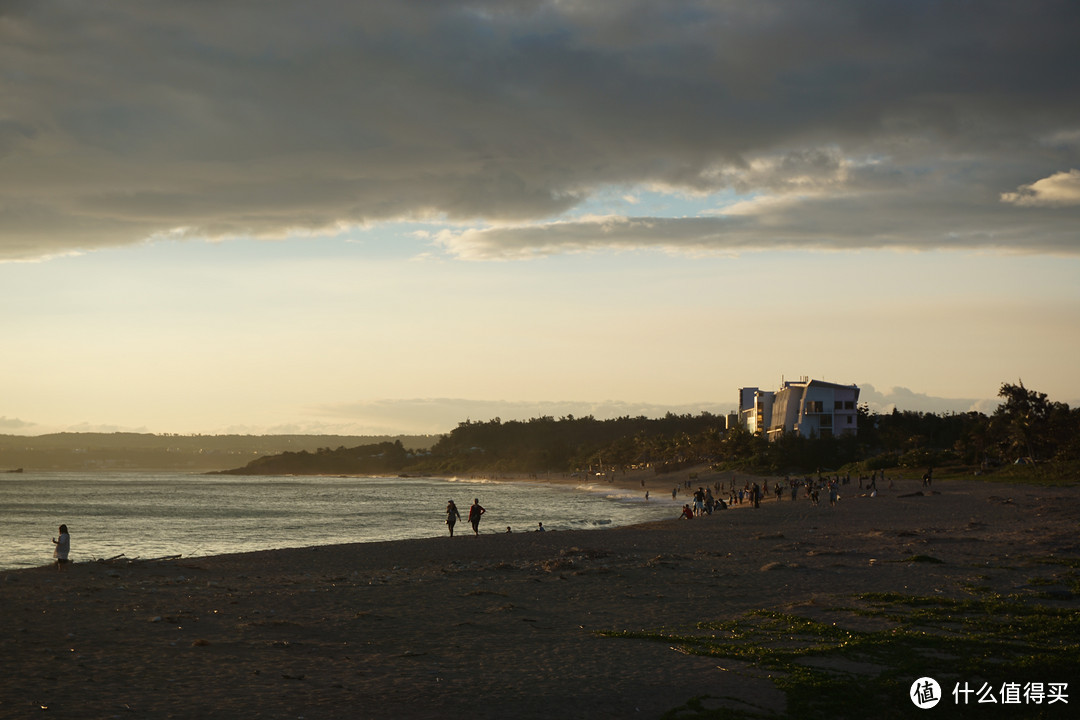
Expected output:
(832, 669)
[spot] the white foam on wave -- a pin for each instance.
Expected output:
(587, 524)
(622, 495)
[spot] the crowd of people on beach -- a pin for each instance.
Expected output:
(753, 493)
(707, 499)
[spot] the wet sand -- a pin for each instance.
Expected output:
(496, 626)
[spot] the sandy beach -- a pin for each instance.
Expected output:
(500, 625)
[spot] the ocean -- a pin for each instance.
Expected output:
(158, 514)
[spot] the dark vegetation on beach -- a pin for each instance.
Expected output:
(1027, 435)
(838, 670)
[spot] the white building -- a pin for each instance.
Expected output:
(811, 408)
(755, 409)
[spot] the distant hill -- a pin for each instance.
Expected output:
(374, 459)
(147, 451)
(538, 445)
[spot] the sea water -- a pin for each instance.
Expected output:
(152, 515)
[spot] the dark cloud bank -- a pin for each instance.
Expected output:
(844, 124)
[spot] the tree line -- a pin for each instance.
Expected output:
(1026, 428)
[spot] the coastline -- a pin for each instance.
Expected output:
(500, 625)
(194, 516)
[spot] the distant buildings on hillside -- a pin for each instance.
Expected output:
(811, 408)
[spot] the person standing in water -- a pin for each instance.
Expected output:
(452, 516)
(474, 515)
(63, 547)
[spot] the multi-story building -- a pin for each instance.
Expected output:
(811, 408)
(755, 408)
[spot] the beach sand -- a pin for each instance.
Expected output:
(500, 625)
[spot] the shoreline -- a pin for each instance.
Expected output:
(432, 526)
(500, 625)
(632, 483)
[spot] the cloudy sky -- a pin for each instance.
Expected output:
(390, 216)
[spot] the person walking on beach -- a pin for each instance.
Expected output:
(474, 515)
(452, 516)
(63, 547)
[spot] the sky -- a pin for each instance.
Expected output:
(390, 217)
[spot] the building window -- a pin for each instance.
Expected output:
(849, 405)
(815, 406)
(850, 420)
(826, 421)
(838, 405)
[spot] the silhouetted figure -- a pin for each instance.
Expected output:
(452, 516)
(474, 515)
(63, 547)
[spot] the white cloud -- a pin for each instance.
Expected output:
(902, 399)
(905, 210)
(15, 425)
(1059, 190)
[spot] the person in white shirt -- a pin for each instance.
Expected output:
(63, 547)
